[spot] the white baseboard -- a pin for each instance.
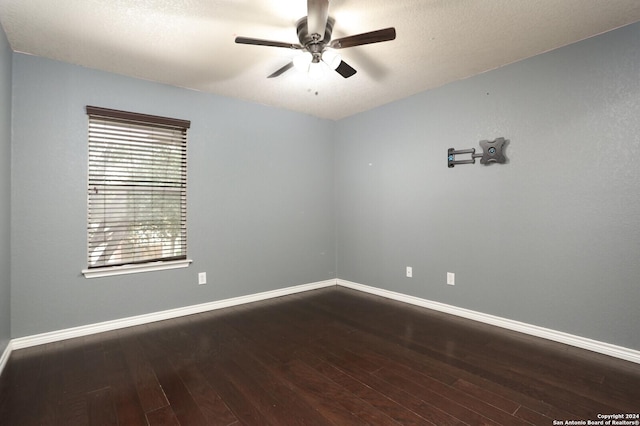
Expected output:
(533, 330)
(4, 358)
(85, 330)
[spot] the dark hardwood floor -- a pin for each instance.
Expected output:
(330, 356)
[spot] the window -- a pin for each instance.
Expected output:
(137, 189)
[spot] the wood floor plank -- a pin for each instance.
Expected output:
(542, 387)
(210, 404)
(101, 408)
(439, 351)
(492, 398)
(536, 418)
(378, 400)
(234, 397)
(329, 356)
(330, 399)
(494, 393)
(278, 404)
(264, 374)
(127, 404)
(163, 416)
(95, 376)
(49, 389)
(411, 379)
(148, 388)
(425, 409)
(73, 410)
(16, 407)
(465, 408)
(182, 403)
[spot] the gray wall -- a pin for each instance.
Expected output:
(5, 191)
(260, 198)
(552, 238)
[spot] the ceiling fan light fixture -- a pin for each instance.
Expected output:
(331, 58)
(316, 70)
(302, 61)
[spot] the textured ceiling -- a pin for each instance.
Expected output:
(190, 43)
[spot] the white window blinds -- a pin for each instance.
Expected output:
(137, 188)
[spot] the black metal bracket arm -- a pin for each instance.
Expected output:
(492, 152)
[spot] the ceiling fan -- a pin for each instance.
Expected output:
(314, 33)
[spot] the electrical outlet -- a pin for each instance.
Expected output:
(202, 278)
(409, 272)
(451, 278)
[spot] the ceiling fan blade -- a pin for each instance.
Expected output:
(282, 70)
(345, 70)
(364, 38)
(317, 15)
(259, 42)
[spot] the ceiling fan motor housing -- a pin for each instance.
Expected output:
(307, 40)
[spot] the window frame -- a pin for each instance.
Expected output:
(169, 262)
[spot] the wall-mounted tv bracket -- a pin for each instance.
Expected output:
(492, 152)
